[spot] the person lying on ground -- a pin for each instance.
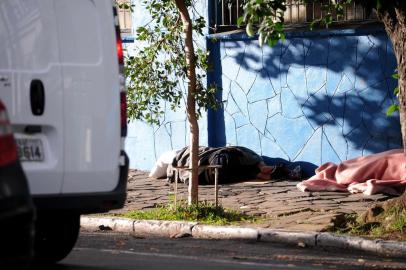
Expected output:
(377, 173)
(237, 163)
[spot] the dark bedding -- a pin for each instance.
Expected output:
(238, 163)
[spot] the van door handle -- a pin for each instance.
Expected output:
(37, 97)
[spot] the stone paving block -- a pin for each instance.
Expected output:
(379, 197)
(356, 205)
(297, 218)
(253, 203)
(290, 195)
(248, 194)
(303, 199)
(345, 211)
(346, 200)
(253, 199)
(285, 184)
(317, 193)
(327, 197)
(322, 219)
(287, 212)
(257, 183)
(307, 227)
(279, 199)
(324, 209)
(354, 211)
(146, 199)
(270, 205)
(325, 202)
(298, 192)
(226, 193)
(275, 191)
(353, 199)
(357, 195)
(256, 213)
(302, 204)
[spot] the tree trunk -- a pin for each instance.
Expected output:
(393, 16)
(191, 102)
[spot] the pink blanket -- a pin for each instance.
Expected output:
(378, 173)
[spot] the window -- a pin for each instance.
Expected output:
(297, 14)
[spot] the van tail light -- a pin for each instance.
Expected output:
(123, 113)
(119, 46)
(8, 149)
(120, 57)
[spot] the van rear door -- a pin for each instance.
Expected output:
(32, 89)
(91, 95)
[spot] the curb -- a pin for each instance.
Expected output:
(176, 229)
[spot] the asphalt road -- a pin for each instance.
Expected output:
(110, 251)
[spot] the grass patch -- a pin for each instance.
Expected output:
(351, 225)
(397, 220)
(204, 212)
(390, 225)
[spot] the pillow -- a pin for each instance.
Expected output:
(159, 169)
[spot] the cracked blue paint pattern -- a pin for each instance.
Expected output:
(145, 143)
(314, 98)
(318, 97)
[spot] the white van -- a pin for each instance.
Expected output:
(61, 64)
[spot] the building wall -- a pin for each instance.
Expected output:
(317, 97)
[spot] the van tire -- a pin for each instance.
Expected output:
(56, 234)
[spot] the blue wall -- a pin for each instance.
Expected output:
(145, 143)
(317, 97)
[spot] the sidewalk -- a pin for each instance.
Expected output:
(284, 206)
(292, 217)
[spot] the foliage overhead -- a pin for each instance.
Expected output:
(266, 17)
(124, 5)
(157, 73)
(394, 107)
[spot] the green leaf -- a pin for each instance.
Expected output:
(261, 39)
(392, 108)
(378, 5)
(240, 20)
(250, 30)
(279, 27)
(396, 91)
(395, 76)
(328, 20)
(272, 42)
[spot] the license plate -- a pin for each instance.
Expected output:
(30, 149)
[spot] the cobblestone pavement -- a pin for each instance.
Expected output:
(283, 205)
